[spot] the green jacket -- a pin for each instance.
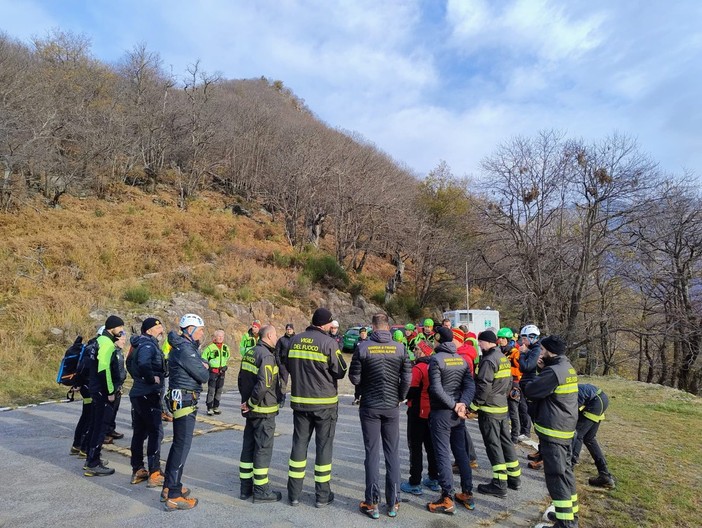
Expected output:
(248, 341)
(106, 349)
(215, 357)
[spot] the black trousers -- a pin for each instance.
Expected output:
(586, 432)
(81, 435)
(183, 428)
(146, 424)
(560, 481)
(256, 453)
(513, 406)
(470, 447)
(112, 424)
(524, 418)
(381, 425)
(418, 439)
(323, 424)
(214, 389)
(448, 433)
(499, 448)
(102, 416)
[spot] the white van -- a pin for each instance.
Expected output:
(475, 320)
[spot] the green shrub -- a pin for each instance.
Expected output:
(325, 270)
(378, 298)
(244, 294)
(279, 260)
(404, 304)
(137, 294)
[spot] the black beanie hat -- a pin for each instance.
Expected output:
(554, 344)
(445, 334)
(113, 322)
(488, 336)
(148, 324)
(321, 317)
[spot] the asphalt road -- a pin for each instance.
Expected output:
(44, 486)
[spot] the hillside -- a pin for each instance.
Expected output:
(63, 270)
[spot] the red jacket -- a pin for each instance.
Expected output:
(468, 352)
(418, 394)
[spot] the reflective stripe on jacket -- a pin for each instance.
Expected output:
(259, 381)
(492, 384)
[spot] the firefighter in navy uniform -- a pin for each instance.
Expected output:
(451, 389)
(383, 371)
(592, 404)
(554, 393)
(315, 364)
(260, 393)
(493, 382)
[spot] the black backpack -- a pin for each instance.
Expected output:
(68, 372)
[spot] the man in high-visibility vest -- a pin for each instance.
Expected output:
(492, 384)
(554, 393)
(315, 364)
(216, 354)
(260, 393)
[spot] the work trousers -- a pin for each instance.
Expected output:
(183, 428)
(500, 450)
(586, 432)
(418, 438)
(323, 424)
(146, 424)
(256, 453)
(102, 416)
(513, 406)
(448, 433)
(81, 435)
(381, 425)
(524, 418)
(214, 389)
(560, 482)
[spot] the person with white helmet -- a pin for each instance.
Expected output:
(529, 354)
(187, 374)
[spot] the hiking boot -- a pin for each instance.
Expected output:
(536, 457)
(210, 412)
(216, 411)
(409, 488)
(268, 496)
(116, 435)
(166, 417)
(466, 499)
(293, 502)
(184, 492)
(514, 483)
(602, 481)
(323, 504)
(474, 464)
(156, 479)
(74, 451)
(82, 454)
(443, 504)
(107, 440)
(371, 510)
(140, 475)
(432, 484)
(536, 464)
(98, 471)
(392, 510)
(492, 489)
(179, 503)
(102, 463)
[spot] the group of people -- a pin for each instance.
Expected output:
(445, 375)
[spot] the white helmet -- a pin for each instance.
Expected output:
(530, 330)
(191, 320)
(335, 324)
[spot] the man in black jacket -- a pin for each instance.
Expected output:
(315, 364)
(282, 347)
(555, 395)
(187, 373)
(451, 389)
(493, 382)
(147, 367)
(382, 370)
(260, 393)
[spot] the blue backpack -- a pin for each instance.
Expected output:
(73, 370)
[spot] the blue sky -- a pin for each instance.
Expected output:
(427, 80)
